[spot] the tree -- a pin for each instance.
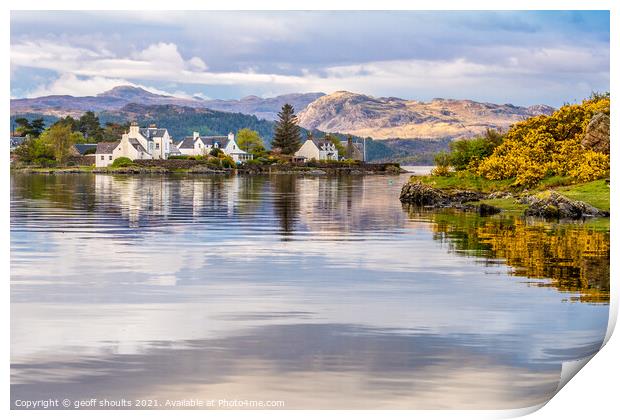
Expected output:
(69, 121)
(60, 138)
(34, 150)
(337, 143)
(287, 136)
(114, 131)
(250, 141)
(27, 128)
(89, 126)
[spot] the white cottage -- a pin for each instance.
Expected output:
(202, 145)
(317, 149)
(138, 143)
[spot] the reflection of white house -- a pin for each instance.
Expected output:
(318, 149)
(202, 145)
(138, 143)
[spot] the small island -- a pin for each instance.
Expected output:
(553, 166)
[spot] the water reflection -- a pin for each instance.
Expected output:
(573, 257)
(320, 291)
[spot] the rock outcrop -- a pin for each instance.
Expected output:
(557, 206)
(597, 134)
(419, 194)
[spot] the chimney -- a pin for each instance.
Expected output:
(152, 125)
(134, 129)
(196, 135)
(231, 136)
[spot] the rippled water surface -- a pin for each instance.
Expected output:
(320, 292)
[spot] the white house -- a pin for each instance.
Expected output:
(202, 145)
(138, 143)
(317, 149)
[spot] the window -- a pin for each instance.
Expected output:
(110, 157)
(157, 145)
(102, 157)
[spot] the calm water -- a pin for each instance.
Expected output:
(319, 292)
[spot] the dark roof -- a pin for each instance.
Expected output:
(137, 145)
(187, 143)
(322, 143)
(222, 141)
(209, 141)
(149, 133)
(84, 147)
(16, 141)
(107, 147)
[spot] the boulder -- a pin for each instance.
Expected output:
(557, 206)
(424, 195)
(597, 134)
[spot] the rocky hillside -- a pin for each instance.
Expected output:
(118, 97)
(383, 118)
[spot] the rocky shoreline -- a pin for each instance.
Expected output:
(549, 204)
(192, 167)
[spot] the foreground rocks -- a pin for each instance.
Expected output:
(420, 194)
(557, 206)
(597, 134)
(549, 205)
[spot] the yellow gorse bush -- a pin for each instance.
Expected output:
(549, 145)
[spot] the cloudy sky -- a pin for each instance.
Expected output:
(504, 57)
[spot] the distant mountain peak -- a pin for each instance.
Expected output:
(130, 92)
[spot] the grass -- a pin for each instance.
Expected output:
(595, 193)
(464, 180)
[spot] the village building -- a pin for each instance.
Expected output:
(82, 149)
(318, 150)
(17, 141)
(138, 143)
(354, 150)
(196, 145)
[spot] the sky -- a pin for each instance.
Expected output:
(523, 58)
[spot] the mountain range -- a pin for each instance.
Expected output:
(339, 112)
(382, 118)
(118, 97)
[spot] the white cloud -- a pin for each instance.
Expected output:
(70, 84)
(89, 71)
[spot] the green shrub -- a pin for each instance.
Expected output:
(216, 152)
(467, 152)
(178, 157)
(122, 162)
(227, 162)
(442, 164)
(45, 162)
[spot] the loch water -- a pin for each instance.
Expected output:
(317, 291)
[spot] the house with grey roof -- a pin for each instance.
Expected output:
(317, 149)
(17, 141)
(83, 148)
(138, 143)
(201, 145)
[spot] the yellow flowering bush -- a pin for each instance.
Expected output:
(548, 145)
(592, 165)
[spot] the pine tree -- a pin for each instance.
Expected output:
(287, 136)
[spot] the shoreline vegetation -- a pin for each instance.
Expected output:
(555, 167)
(178, 166)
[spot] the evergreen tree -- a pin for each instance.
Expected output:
(89, 126)
(287, 136)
